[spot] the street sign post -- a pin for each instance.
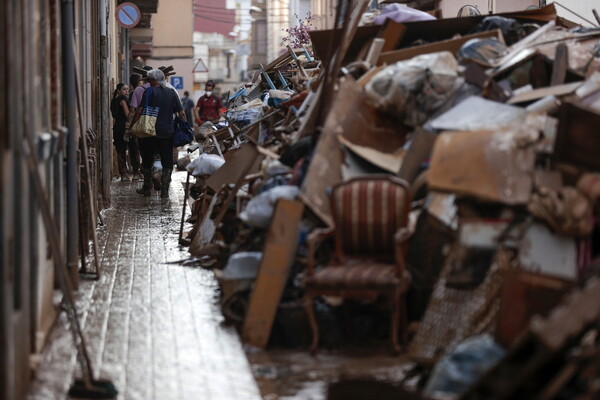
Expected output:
(128, 15)
(177, 82)
(200, 66)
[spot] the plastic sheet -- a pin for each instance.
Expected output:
(274, 167)
(482, 51)
(242, 265)
(402, 13)
(205, 164)
(511, 29)
(457, 371)
(276, 97)
(413, 90)
(246, 114)
(260, 209)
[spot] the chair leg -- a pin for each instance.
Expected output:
(313, 323)
(403, 318)
(395, 322)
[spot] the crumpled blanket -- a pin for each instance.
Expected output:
(412, 90)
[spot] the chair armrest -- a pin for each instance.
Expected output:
(312, 243)
(401, 245)
(402, 235)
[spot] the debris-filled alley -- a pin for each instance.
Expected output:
(401, 204)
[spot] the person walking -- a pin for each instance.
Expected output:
(119, 108)
(135, 101)
(209, 105)
(168, 103)
(135, 81)
(188, 107)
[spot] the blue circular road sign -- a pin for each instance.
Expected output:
(128, 15)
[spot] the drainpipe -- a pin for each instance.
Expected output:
(104, 127)
(68, 82)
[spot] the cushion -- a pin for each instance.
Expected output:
(367, 213)
(355, 276)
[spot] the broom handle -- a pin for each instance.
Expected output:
(86, 165)
(63, 274)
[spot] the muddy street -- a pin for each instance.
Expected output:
(152, 326)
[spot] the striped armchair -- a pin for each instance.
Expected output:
(370, 216)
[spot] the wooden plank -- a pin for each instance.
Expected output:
(234, 169)
(560, 65)
(577, 140)
(392, 32)
(523, 295)
(466, 163)
(536, 94)
(418, 152)
(451, 45)
(278, 256)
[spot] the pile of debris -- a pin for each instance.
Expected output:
(471, 140)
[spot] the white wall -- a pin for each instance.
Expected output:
(581, 7)
(450, 7)
(301, 8)
(278, 17)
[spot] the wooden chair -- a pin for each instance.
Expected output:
(370, 216)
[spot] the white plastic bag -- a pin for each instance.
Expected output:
(260, 209)
(414, 89)
(242, 265)
(205, 164)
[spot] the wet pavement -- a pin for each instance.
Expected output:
(284, 374)
(153, 327)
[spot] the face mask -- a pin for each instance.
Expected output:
(208, 93)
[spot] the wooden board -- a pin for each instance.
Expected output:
(451, 45)
(578, 141)
(418, 152)
(536, 94)
(523, 295)
(392, 32)
(278, 256)
(360, 123)
(235, 168)
(471, 163)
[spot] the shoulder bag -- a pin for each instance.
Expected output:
(183, 133)
(145, 126)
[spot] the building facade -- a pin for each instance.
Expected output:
(221, 43)
(60, 62)
(172, 31)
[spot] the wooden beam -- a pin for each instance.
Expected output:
(278, 257)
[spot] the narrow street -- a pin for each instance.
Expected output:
(380, 200)
(153, 327)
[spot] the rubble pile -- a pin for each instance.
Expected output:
(450, 165)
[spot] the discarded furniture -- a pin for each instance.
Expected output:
(370, 216)
(556, 353)
(523, 295)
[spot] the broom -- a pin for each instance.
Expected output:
(87, 387)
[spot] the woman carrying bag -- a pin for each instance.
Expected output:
(164, 102)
